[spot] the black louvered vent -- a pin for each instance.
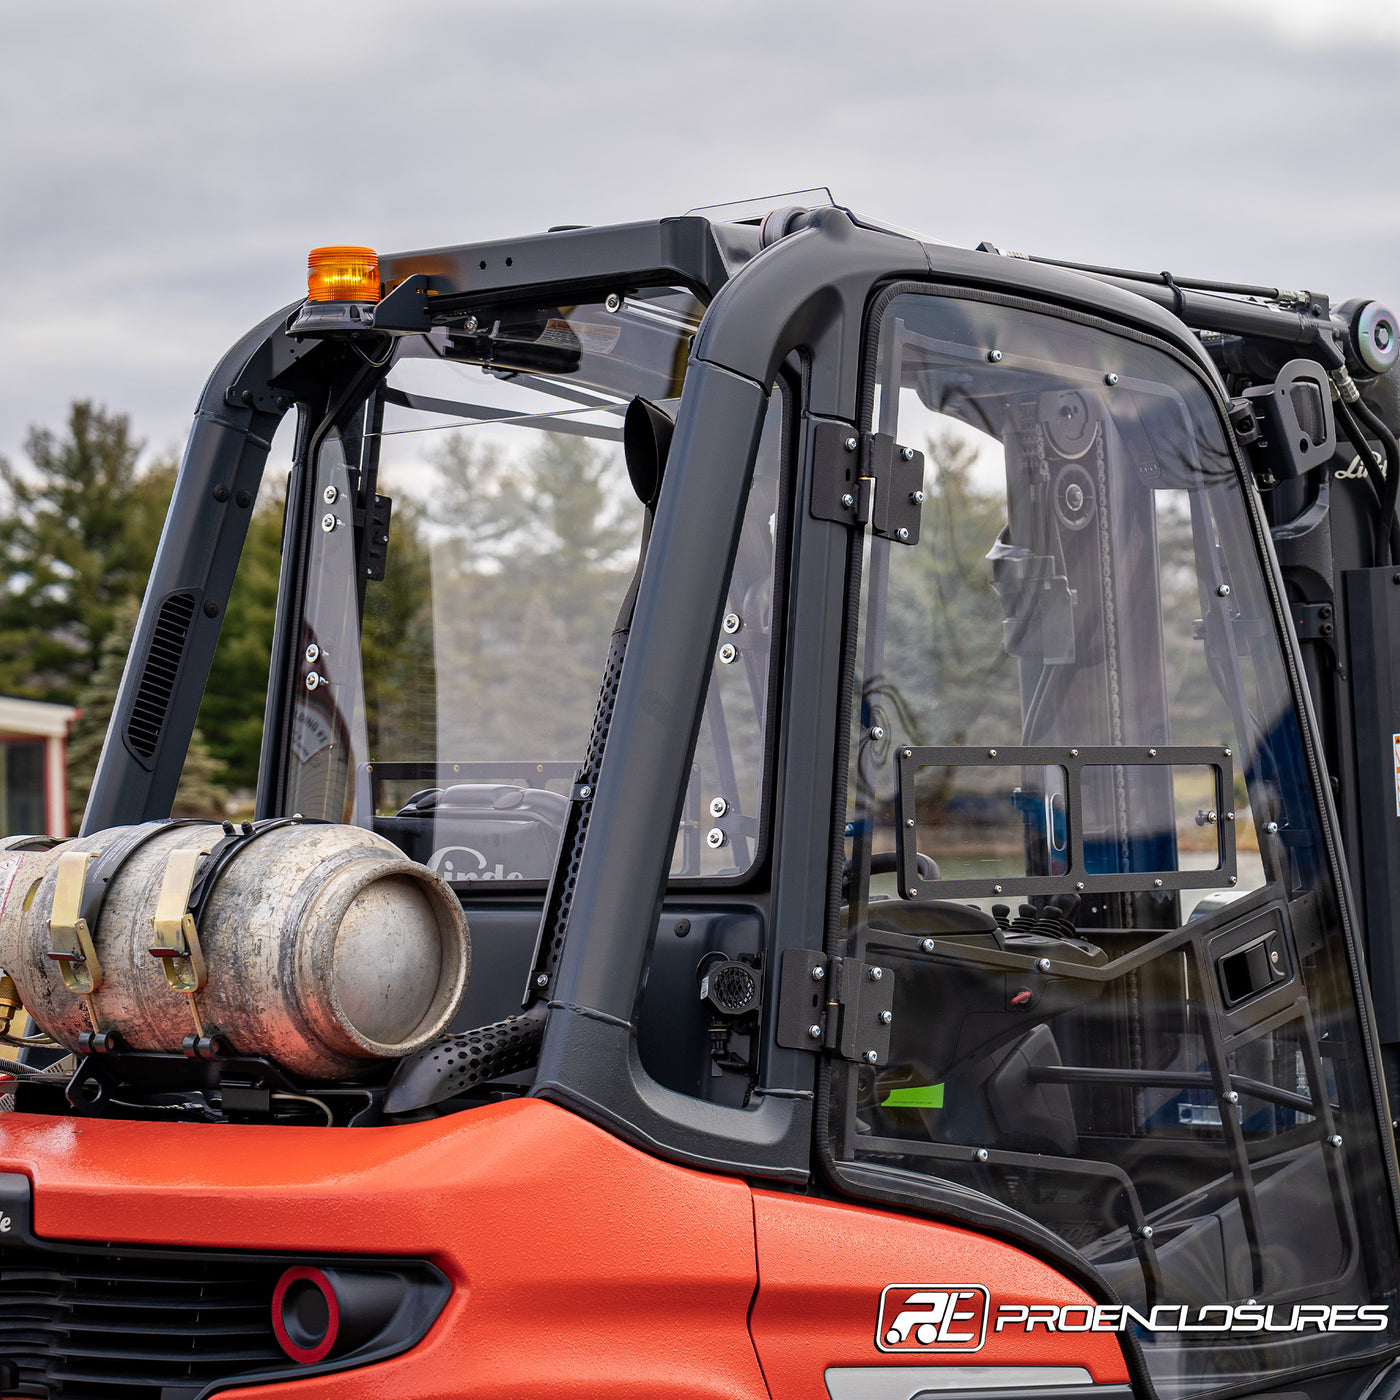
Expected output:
(108, 1325)
(172, 630)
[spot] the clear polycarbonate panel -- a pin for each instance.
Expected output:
(448, 705)
(1084, 842)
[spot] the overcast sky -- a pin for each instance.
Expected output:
(165, 166)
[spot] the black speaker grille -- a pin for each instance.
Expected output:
(168, 640)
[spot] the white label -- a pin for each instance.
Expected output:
(1395, 744)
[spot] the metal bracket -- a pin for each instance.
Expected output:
(866, 479)
(72, 946)
(177, 938)
(839, 1004)
(375, 523)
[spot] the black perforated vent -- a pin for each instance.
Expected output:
(456, 1063)
(168, 640)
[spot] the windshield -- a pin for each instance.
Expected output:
(474, 543)
(1083, 839)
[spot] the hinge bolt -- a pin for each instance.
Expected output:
(851, 444)
(907, 453)
(847, 501)
(993, 357)
(814, 1032)
(875, 973)
(928, 945)
(871, 1057)
(886, 1017)
(1043, 965)
(818, 974)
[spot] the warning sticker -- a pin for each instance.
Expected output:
(1395, 744)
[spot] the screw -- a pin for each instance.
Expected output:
(909, 822)
(996, 889)
(330, 495)
(993, 357)
(1156, 884)
(718, 806)
(1271, 828)
(1231, 1096)
(847, 501)
(1146, 1232)
(542, 980)
(312, 651)
(819, 974)
(982, 1155)
(714, 838)
(727, 653)
(1234, 879)
(917, 497)
(613, 302)
(1080, 885)
(312, 680)
(1223, 591)
(815, 1032)
(1074, 753)
(732, 623)
(875, 973)
(1229, 816)
(913, 893)
(1227, 753)
(851, 444)
(886, 1017)
(928, 945)
(329, 522)
(902, 535)
(1110, 379)
(1273, 957)
(470, 324)
(907, 453)
(1335, 1140)
(585, 791)
(1043, 965)
(909, 753)
(876, 732)
(871, 1057)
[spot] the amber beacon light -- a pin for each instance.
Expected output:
(342, 274)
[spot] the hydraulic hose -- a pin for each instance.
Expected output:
(1387, 540)
(1373, 421)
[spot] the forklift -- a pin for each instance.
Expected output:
(827, 826)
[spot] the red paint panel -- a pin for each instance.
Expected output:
(822, 1270)
(580, 1267)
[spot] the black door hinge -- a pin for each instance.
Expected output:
(866, 479)
(839, 1004)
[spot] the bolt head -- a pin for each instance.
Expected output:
(727, 653)
(1043, 965)
(731, 623)
(819, 974)
(718, 806)
(1146, 1232)
(1110, 379)
(814, 1032)
(917, 497)
(1223, 591)
(1335, 1140)
(1271, 828)
(1231, 1096)
(991, 753)
(983, 1155)
(886, 1017)
(993, 357)
(330, 495)
(470, 324)
(875, 973)
(613, 302)
(312, 651)
(328, 522)
(902, 535)
(851, 444)
(714, 838)
(542, 980)
(871, 1057)
(907, 453)
(1156, 884)
(312, 680)
(847, 501)
(585, 791)
(1080, 886)
(913, 892)
(996, 889)
(928, 945)
(876, 732)
(909, 822)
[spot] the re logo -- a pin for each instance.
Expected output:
(922, 1317)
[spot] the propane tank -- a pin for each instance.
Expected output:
(319, 947)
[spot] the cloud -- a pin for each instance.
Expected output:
(166, 167)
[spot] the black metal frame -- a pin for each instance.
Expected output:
(1077, 879)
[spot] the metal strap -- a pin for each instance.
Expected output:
(71, 942)
(177, 936)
